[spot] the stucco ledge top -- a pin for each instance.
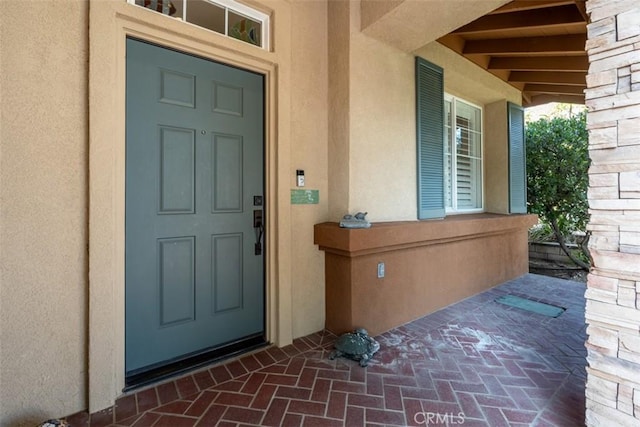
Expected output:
(390, 236)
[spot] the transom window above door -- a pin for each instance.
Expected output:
(463, 155)
(227, 17)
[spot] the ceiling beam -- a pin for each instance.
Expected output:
(570, 78)
(565, 45)
(562, 15)
(582, 7)
(540, 63)
(554, 89)
(545, 99)
(519, 5)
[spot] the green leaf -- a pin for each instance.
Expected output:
(557, 171)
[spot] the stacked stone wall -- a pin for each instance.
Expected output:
(613, 291)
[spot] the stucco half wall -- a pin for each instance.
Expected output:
(428, 265)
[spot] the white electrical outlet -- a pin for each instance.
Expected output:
(380, 270)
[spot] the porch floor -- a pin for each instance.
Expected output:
(475, 363)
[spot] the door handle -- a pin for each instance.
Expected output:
(257, 218)
(258, 225)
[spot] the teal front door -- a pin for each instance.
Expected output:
(194, 262)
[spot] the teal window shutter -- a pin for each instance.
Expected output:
(430, 139)
(517, 160)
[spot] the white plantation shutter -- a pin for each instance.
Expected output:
(465, 187)
(463, 169)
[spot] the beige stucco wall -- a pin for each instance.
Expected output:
(309, 133)
(465, 79)
(338, 103)
(44, 317)
(382, 134)
(382, 147)
(496, 151)
(43, 202)
(410, 24)
(340, 106)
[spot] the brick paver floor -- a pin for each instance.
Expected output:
(475, 363)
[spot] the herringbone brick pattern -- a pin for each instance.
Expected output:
(475, 363)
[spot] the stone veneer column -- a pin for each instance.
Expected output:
(613, 291)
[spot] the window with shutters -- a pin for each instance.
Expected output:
(450, 151)
(462, 156)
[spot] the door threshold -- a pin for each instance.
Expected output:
(172, 369)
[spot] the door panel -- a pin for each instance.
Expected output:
(177, 160)
(227, 279)
(176, 280)
(194, 161)
(226, 164)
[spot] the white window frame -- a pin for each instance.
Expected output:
(452, 149)
(237, 8)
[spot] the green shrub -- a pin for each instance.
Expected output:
(557, 177)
